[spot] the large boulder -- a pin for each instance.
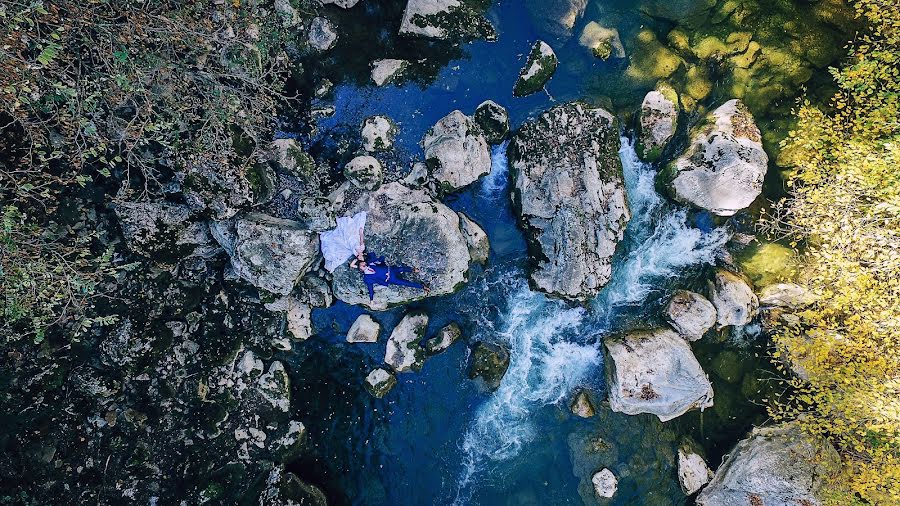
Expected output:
(162, 230)
(322, 35)
(570, 196)
(364, 172)
(723, 169)
(735, 302)
(655, 372)
(538, 69)
(446, 19)
(658, 120)
(269, 253)
(556, 17)
(777, 466)
(410, 227)
(456, 151)
(404, 351)
(690, 314)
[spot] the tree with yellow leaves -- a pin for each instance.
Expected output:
(844, 220)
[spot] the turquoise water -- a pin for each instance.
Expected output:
(436, 438)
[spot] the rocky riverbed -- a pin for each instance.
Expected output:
(577, 184)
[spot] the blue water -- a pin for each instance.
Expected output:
(436, 438)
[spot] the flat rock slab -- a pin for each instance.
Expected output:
(407, 227)
(655, 372)
(446, 19)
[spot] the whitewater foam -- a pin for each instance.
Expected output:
(494, 183)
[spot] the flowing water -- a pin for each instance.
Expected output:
(436, 438)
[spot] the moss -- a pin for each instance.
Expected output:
(748, 57)
(697, 83)
(546, 67)
(709, 46)
(768, 263)
(602, 50)
(679, 40)
(651, 61)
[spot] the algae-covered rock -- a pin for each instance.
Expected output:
(365, 172)
(269, 253)
(411, 227)
(446, 19)
(570, 195)
(288, 155)
(378, 133)
(603, 42)
(768, 263)
(658, 120)
(581, 405)
(379, 382)
(444, 339)
(537, 71)
(655, 372)
(403, 352)
(722, 170)
(651, 61)
(456, 151)
(286, 489)
(388, 71)
(786, 295)
(488, 362)
(493, 120)
(735, 302)
(690, 314)
(775, 465)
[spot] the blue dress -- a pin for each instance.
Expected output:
(385, 275)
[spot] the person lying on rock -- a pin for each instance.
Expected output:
(376, 272)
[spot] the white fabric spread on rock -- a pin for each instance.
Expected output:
(344, 241)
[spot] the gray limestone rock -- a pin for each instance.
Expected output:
(569, 192)
(690, 314)
(388, 71)
(379, 382)
(363, 330)
(446, 19)
(162, 230)
(493, 120)
(378, 133)
(322, 35)
(476, 239)
(444, 339)
(364, 172)
(403, 352)
(456, 151)
(538, 69)
(658, 120)
(735, 302)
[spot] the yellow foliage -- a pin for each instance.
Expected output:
(844, 219)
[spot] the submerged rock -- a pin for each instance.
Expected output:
(444, 339)
(388, 71)
(378, 133)
(364, 172)
(570, 195)
(488, 362)
(581, 405)
(286, 489)
(363, 330)
(775, 465)
(735, 302)
(446, 19)
(556, 17)
(539, 68)
(605, 483)
(410, 227)
(322, 35)
(403, 352)
(722, 170)
(162, 230)
(690, 314)
(493, 120)
(379, 382)
(269, 253)
(603, 42)
(476, 239)
(693, 472)
(655, 372)
(456, 151)
(658, 120)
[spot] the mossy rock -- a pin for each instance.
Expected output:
(261, 178)
(679, 40)
(539, 68)
(697, 82)
(768, 263)
(652, 61)
(748, 57)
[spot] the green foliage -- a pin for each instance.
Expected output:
(844, 218)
